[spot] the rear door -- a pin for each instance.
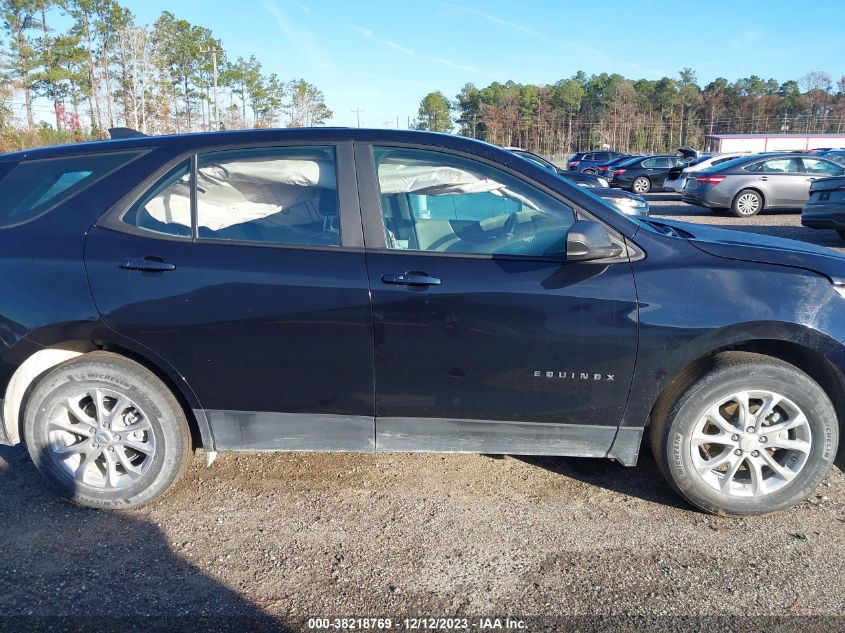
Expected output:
(486, 340)
(783, 182)
(244, 268)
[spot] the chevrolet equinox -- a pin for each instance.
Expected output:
(375, 290)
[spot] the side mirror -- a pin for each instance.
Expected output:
(587, 240)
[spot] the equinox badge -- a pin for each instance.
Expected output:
(573, 375)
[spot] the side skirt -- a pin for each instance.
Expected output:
(441, 435)
(266, 431)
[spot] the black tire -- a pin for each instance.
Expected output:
(841, 234)
(164, 433)
(747, 203)
(644, 185)
(589, 171)
(680, 410)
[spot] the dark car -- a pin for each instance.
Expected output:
(382, 290)
(588, 162)
(834, 155)
(629, 203)
(750, 184)
(602, 169)
(641, 174)
(826, 207)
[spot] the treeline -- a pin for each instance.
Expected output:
(103, 70)
(585, 112)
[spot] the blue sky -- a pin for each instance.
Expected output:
(384, 55)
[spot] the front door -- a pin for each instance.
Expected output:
(485, 339)
(254, 289)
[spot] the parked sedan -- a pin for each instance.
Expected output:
(627, 203)
(678, 176)
(826, 207)
(748, 185)
(588, 162)
(643, 173)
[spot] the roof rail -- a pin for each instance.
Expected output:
(124, 132)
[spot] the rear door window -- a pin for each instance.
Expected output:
(785, 165)
(274, 196)
(34, 187)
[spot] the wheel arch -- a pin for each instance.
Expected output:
(40, 363)
(811, 361)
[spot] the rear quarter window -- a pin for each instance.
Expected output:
(31, 188)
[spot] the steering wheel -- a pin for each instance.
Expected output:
(509, 227)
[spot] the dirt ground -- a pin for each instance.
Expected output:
(269, 540)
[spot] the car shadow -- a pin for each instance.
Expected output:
(643, 481)
(69, 568)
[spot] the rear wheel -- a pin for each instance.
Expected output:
(747, 203)
(589, 171)
(106, 432)
(751, 435)
(641, 185)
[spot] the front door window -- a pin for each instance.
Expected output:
(431, 201)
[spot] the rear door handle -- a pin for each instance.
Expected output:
(763, 178)
(410, 279)
(147, 264)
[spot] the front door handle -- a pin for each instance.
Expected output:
(147, 264)
(410, 279)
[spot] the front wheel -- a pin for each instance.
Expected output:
(747, 203)
(106, 432)
(751, 435)
(641, 185)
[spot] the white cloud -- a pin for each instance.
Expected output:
(305, 41)
(494, 19)
(412, 53)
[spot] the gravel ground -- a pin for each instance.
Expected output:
(277, 538)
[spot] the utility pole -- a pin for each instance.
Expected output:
(358, 112)
(214, 52)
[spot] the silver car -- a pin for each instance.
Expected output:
(750, 184)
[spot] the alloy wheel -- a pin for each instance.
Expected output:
(101, 439)
(641, 185)
(751, 443)
(748, 204)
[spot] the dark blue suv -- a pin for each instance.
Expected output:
(588, 162)
(376, 290)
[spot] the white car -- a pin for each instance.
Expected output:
(677, 177)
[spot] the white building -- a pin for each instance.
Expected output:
(771, 142)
